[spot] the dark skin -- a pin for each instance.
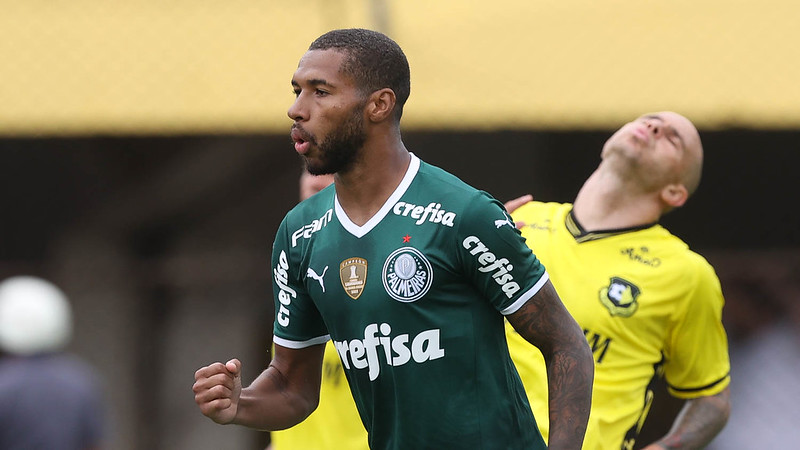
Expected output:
(569, 376)
(282, 396)
(288, 390)
(325, 98)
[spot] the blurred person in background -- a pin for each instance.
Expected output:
(335, 424)
(762, 315)
(420, 279)
(48, 399)
(647, 303)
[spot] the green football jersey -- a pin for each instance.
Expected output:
(414, 301)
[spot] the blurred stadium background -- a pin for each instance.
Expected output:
(146, 161)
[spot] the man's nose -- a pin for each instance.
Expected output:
(653, 126)
(296, 111)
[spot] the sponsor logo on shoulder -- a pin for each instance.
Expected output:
(407, 275)
(353, 273)
(285, 293)
(620, 297)
(431, 213)
(306, 231)
(396, 350)
(489, 263)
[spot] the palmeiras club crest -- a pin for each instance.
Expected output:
(407, 275)
(353, 273)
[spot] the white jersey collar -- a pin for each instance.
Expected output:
(360, 231)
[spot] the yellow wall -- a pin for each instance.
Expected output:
(189, 66)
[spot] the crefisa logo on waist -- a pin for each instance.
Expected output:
(407, 275)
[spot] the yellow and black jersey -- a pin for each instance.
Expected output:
(646, 303)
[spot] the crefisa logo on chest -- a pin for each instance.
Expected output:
(407, 275)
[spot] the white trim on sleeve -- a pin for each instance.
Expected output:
(300, 344)
(526, 296)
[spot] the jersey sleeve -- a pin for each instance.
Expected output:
(696, 356)
(298, 323)
(495, 257)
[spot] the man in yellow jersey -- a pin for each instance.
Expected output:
(648, 305)
(335, 424)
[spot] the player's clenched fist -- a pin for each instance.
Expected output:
(217, 388)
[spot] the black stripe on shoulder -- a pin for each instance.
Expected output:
(709, 385)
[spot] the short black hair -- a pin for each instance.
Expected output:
(372, 59)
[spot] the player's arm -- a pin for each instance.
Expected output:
(699, 421)
(545, 322)
(281, 396)
(689, 364)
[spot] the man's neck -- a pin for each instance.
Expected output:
(606, 202)
(364, 189)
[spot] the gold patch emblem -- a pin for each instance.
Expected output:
(353, 273)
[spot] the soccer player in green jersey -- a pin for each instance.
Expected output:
(410, 272)
(335, 424)
(647, 303)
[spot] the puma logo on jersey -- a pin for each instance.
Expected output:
(396, 350)
(504, 221)
(307, 230)
(499, 268)
(431, 213)
(310, 273)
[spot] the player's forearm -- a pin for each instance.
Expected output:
(271, 403)
(699, 421)
(546, 323)
(570, 373)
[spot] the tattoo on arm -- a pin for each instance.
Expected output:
(545, 322)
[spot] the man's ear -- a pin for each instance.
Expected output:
(380, 105)
(674, 195)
